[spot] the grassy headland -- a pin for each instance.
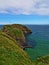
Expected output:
(12, 37)
(17, 32)
(10, 53)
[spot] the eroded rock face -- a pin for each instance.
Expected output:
(23, 28)
(17, 32)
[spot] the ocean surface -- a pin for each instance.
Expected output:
(39, 39)
(1, 26)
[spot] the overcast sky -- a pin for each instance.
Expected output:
(24, 11)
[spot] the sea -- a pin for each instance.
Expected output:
(1, 26)
(38, 39)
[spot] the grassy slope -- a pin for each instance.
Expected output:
(17, 34)
(43, 60)
(10, 53)
(22, 56)
(13, 32)
(23, 28)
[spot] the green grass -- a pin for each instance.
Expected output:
(13, 32)
(16, 33)
(11, 54)
(43, 60)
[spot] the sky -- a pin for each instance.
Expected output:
(24, 12)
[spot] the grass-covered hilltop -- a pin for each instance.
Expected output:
(12, 43)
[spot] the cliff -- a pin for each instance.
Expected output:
(23, 28)
(18, 32)
(11, 39)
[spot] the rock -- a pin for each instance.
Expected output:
(23, 28)
(17, 32)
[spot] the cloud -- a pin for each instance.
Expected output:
(27, 7)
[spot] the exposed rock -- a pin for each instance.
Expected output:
(18, 32)
(23, 28)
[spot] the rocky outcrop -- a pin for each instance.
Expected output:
(18, 32)
(23, 28)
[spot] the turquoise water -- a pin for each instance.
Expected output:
(39, 39)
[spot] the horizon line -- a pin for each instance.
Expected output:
(23, 24)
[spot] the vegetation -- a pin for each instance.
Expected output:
(23, 28)
(13, 32)
(10, 53)
(16, 32)
(43, 60)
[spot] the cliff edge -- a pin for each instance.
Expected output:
(18, 32)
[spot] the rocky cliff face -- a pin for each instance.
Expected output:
(23, 28)
(18, 32)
